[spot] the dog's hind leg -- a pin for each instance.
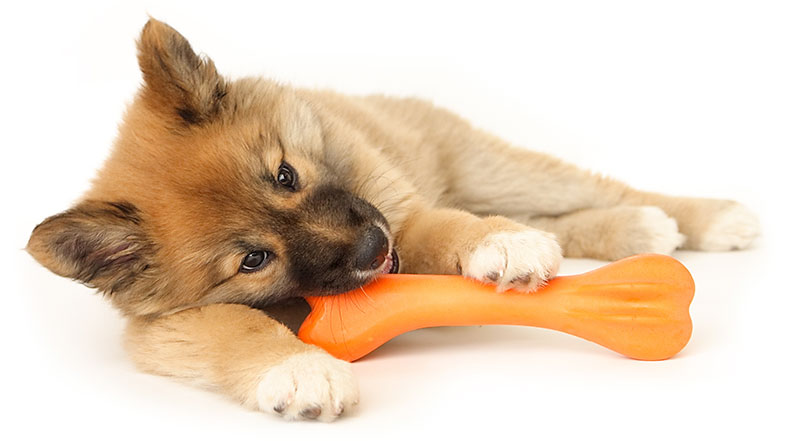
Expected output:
(592, 215)
(490, 177)
(611, 233)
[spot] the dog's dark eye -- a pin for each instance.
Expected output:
(254, 261)
(286, 176)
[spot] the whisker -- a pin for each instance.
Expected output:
(367, 296)
(341, 324)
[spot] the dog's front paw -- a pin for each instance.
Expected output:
(522, 260)
(310, 385)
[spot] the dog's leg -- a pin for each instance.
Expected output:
(708, 224)
(656, 224)
(492, 249)
(246, 355)
(524, 185)
(612, 233)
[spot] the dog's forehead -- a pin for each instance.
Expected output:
(207, 178)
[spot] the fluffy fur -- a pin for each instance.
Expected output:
(197, 181)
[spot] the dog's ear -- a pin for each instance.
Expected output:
(177, 81)
(100, 244)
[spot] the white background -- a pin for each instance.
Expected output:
(696, 98)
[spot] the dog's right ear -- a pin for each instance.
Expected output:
(177, 82)
(101, 244)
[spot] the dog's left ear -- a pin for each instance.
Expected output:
(101, 244)
(177, 81)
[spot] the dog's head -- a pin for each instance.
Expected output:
(218, 191)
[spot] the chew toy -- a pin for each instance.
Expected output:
(637, 306)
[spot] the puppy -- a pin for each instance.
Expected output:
(225, 201)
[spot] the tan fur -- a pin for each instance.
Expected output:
(198, 346)
(193, 145)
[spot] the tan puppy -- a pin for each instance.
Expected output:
(223, 202)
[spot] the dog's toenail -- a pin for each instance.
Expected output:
(280, 407)
(311, 412)
(493, 276)
(522, 280)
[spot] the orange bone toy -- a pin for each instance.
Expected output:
(637, 306)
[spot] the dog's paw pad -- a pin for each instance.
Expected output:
(311, 385)
(522, 260)
(733, 228)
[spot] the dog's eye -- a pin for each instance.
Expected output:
(255, 261)
(286, 176)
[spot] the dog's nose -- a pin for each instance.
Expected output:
(372, 249)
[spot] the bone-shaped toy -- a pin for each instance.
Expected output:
(637, 306)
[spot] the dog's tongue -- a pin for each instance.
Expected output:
(393, 264)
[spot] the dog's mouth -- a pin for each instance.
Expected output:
(392, 263)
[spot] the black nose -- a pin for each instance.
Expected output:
(372, 249)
